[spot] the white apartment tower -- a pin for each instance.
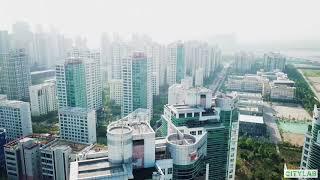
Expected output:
(43, 98)
(175, 63)
(115, 86)
(15, 117)
(119, 50)
(77, 125)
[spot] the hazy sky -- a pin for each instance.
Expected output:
(169, 20)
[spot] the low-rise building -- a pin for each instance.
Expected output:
(282, 90)
(57, 155)
(22, 156)
(253, 126)
(247, 83)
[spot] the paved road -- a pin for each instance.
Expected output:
(270, 120)
(217, 83)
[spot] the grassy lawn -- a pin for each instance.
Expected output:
(311, 73)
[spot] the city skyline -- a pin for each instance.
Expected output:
(165, 21)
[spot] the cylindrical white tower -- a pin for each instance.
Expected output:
(183, 148)
(119, 144)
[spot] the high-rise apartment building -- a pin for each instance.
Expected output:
(310, 158)
(198, 79)
(3, 141)
(4, 49)
(79, 84)
(119, 50)
(156, 54)
(16, 75)
(77, 124)
(115, 86)
(274, 61)
(15, 117)
(137, 83)
(43, 98)
(243, 62)
(201, 55)
(176, 63)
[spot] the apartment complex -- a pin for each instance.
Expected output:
(15, 117)
(43, 98)
(243, 62)
(274, 61)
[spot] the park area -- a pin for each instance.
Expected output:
(313, 76)
(292, 121)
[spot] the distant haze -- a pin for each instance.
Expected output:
(168, 20)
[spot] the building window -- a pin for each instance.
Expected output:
(199, 132)
(164, 171)
(193, 132)
(169, 170)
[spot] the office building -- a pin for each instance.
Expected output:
(16, 75)
(247, 83)
(57, 155)
(3, 141)
(220, 124)
(310, 158)
(175, 63)
(252, 126)
(15, 117)
(78, 83)
(43, 98)
(250, 103)
(77, 125)
(23, 157)
(115, 88)
(131, 152)
(137, 83)
(274, 61)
